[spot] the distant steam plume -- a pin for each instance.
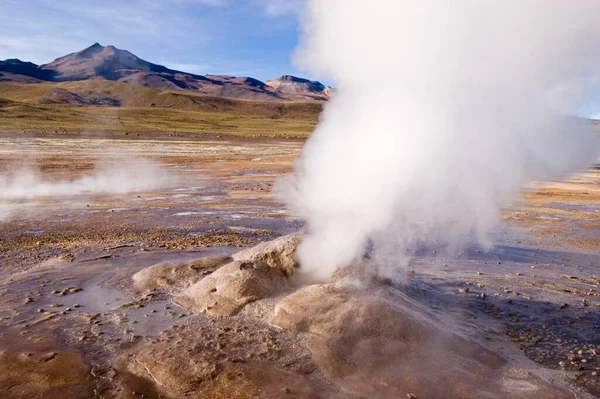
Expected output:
(29, 184)
(118, 176)
(444, 110)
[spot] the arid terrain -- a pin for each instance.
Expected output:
(37, 109)
(145, 293)
(109, 92)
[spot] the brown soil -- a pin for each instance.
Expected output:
(89, 288)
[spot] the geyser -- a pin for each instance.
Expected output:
(444, 109)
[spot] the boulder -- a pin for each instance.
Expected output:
(177, 274)
(380, 343)
(226, 291)
(279, 253)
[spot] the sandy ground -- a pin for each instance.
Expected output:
(74, 325)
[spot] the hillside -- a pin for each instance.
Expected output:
(117, 108)
(99, 62)
(14, 70)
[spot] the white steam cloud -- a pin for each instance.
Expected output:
(114, 177)
(29, 184)
(444, 110)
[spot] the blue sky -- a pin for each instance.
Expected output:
(235, 37)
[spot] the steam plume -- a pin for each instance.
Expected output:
(444, 109)
(133, 175)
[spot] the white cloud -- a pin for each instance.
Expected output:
(279, 7)
(216, 3)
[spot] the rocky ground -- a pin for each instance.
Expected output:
(169, 292)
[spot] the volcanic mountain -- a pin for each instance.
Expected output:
(111, 63)
(295, 86)
(98, 61)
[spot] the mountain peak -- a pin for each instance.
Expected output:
(293, 78)
(99, 46)
(290, 84)
(98, 61)
(93, 48)
(16, 61)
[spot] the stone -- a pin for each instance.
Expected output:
(176, 275)
(279, 253)
(230, 288)
(360, 337)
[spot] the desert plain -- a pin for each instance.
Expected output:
(183, 286)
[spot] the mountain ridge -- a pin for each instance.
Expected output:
(111, 63)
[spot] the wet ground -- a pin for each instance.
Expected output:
(72, 323)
